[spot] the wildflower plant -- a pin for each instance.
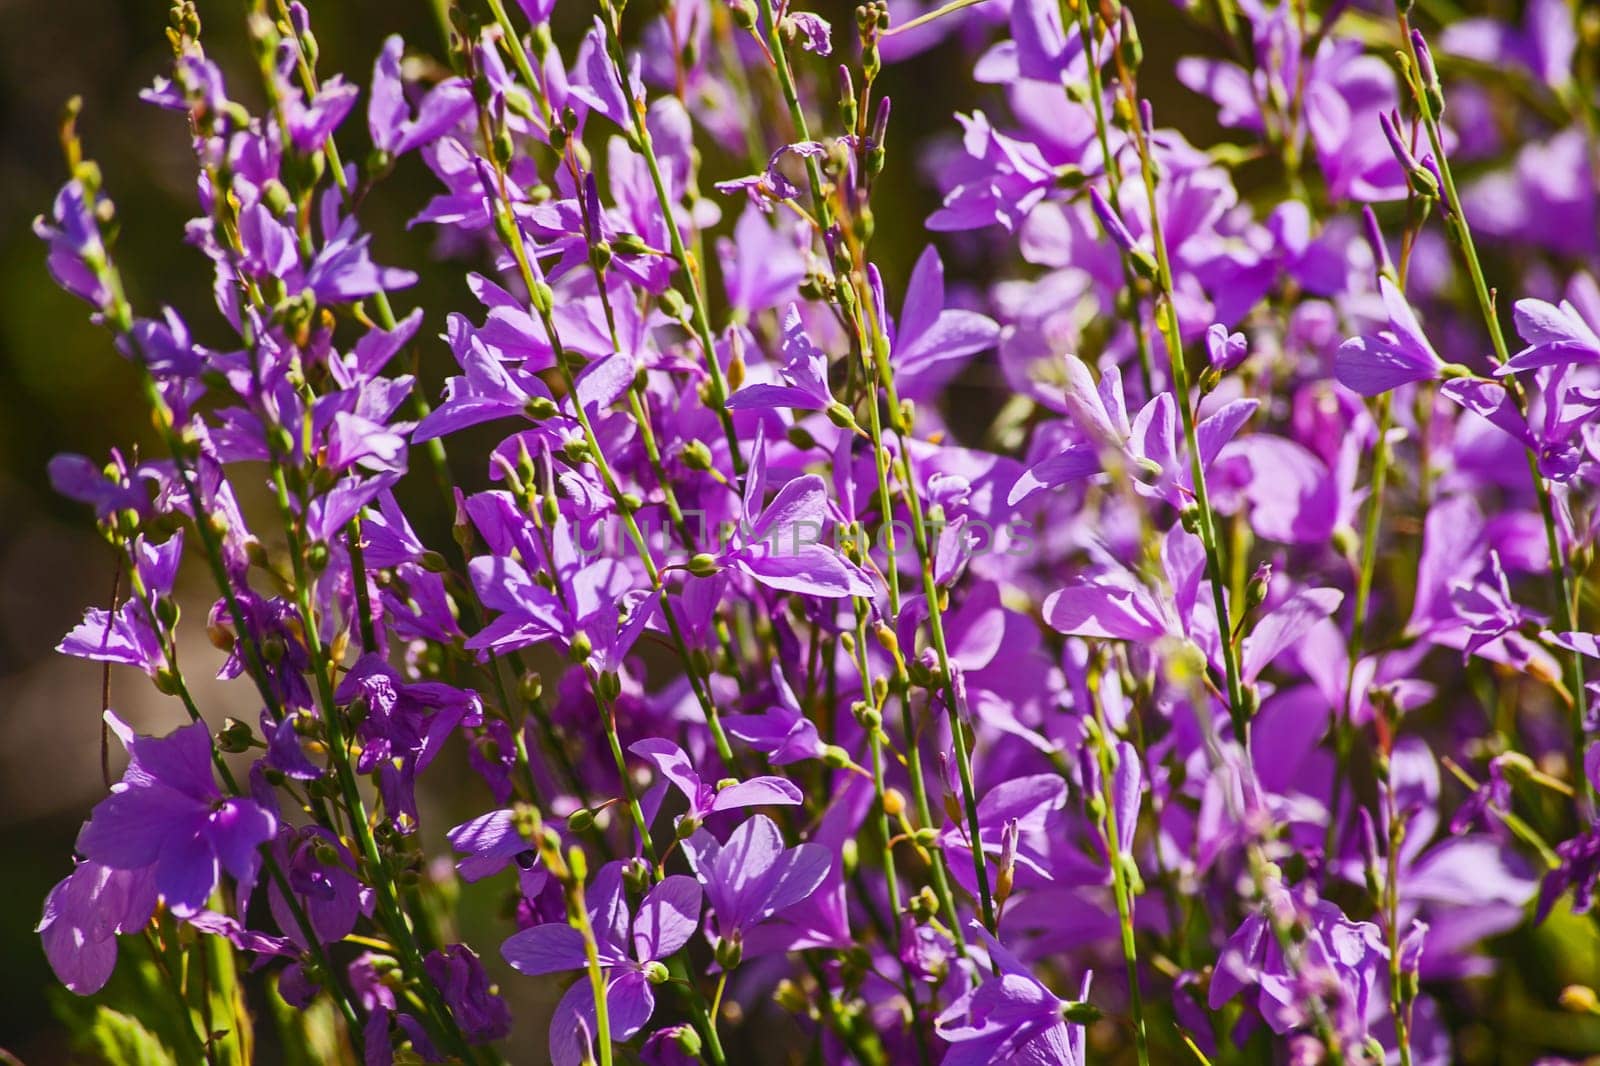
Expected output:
(1222, 699)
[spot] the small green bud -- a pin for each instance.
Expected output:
(542, 297)
(235, 736)
(703, 564)
(540, 408)
(728, 953)
(630, 244)
(688, 1041)
(1081, 1013)
(167, 682)
(167, 612)
(696, 455)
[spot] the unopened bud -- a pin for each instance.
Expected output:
(728, 953)
(235, 736)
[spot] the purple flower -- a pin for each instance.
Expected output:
(805, 375)
(404, 726)
(394, 130)
(1148, 447)
(1023, 811)
(1375, 363)
(1543, 45)
(1556, 336)
(322, 874)
(1011, 1017)
(77, 256)
(168, 813)
(998, 181)
(490, 843)
(752, 876)
(1225, 350)
(930, 342)
(1578, 870)
(673, 764)
(83, 915)
(460, 978)
(783, 732)
(630, 947)
(131, 634)
(772, 186)
(781, 545)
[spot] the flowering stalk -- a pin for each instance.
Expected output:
(1422, 80)
(1205, 520)
(871, 342)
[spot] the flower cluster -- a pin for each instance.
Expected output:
(1222, 685)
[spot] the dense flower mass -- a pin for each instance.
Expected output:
(1220, 694)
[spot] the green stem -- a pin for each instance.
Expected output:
(1206, 519)
(1457, 219)
(1121, 880)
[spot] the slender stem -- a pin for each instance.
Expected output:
(718, 399)
(937, 13)
(1391, 904)
(1113, 176)
(1121, 881)
(1455, 215)
(578, 914)
(1206, 519)
(608, 719)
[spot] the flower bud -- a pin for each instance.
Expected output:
(636, 874)
(167, 611)
(1428, 75)
(580, 820)
(1255, 593)
(167, 681)
(703, 564)
(728, 953)
(235, 736)
(1081, 1013)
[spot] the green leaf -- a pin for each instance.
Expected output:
(121, 1040)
